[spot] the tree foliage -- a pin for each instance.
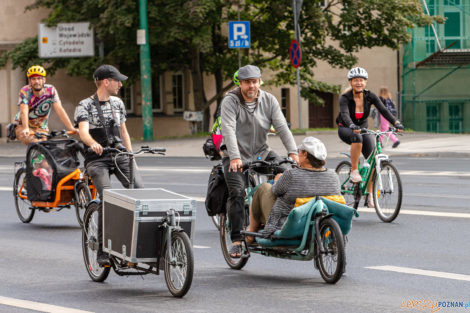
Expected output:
(192, 35)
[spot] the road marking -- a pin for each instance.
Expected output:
(419, 212)
(416, 271)
(38, 306)
(6, 188)
(433, 173)
(201, 247)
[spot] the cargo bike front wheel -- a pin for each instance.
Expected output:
(179, 264)
(90, 243)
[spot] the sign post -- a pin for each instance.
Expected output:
(297, 6)
(145, 72)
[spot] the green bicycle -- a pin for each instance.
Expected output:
(387, 189)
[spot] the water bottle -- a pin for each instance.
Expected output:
(365, 167)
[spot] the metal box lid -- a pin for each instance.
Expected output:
(133, 196)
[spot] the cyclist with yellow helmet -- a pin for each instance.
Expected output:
(35, 103)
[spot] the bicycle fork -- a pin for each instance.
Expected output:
(379, 158)
(171, 224)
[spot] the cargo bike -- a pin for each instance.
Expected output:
(313, 231)
(50, 179)
(144, 231)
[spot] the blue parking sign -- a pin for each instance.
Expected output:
(239, 34)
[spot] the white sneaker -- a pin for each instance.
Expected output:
(355, 176)
(370, 201)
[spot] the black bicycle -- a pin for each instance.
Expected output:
(167, 245)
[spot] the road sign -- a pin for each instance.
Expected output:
(239, 34)
(66, 40)
(295, 53)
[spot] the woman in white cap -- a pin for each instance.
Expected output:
(272, 203)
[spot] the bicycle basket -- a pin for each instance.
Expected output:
(47, 162)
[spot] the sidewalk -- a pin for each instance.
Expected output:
(412, 144)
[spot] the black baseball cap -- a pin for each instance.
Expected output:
(108, 71)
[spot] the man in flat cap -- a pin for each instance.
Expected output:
(101, 120)
(246, 117)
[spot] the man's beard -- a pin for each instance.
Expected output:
(248, 96)
(38, 89)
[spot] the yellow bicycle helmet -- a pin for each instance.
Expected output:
(36, 70)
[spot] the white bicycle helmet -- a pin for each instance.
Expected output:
(357, 72)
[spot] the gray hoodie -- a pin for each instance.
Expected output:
(245, 133)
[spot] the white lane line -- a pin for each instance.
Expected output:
(419, 212)
(201, 247)
(417, 271)
(433, 173)
(6, 188)
(38, 306)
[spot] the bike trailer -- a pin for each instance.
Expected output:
(131, 220)
(47, 162)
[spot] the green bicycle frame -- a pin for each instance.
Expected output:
(368, 174)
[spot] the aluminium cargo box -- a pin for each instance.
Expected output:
(131, 220)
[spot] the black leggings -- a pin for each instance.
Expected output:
(347, 135)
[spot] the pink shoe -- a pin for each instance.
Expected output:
(355, 176)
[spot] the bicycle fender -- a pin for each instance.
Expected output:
(97, 201)
(346, 154)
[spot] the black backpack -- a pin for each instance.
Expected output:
(217, 192)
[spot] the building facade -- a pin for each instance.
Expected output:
(172, 91)
(436, 71)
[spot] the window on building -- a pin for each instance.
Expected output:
(452, 29)
(451, 2)
(285, 102)
(433, 117)
(126, 93)
(156, 94)
(177, 86)
(455, 117)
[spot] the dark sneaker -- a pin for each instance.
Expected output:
(395, 144)
(102, 259)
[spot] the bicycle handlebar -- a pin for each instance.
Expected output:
(392, 130)
(142, 149)
(265, 164)
(53, 134)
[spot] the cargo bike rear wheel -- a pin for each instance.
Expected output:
(23, 206)
(90, 244)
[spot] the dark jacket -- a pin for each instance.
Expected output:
(347, 109)
(388, 103)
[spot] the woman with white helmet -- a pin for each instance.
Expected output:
(354, 109)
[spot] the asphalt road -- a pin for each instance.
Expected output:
(418, 257)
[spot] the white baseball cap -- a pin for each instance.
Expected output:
(315, 147)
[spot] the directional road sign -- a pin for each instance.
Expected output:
(239, 34)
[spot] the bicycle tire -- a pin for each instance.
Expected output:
(343, 169)
(81, 199)
(331, 264)
(90, 244)
(225, 243)
(183, 268)
(24, 207)
(387, 209)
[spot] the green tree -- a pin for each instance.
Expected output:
(191, 34)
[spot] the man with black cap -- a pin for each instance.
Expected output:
(246, 116)
(101, 120)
